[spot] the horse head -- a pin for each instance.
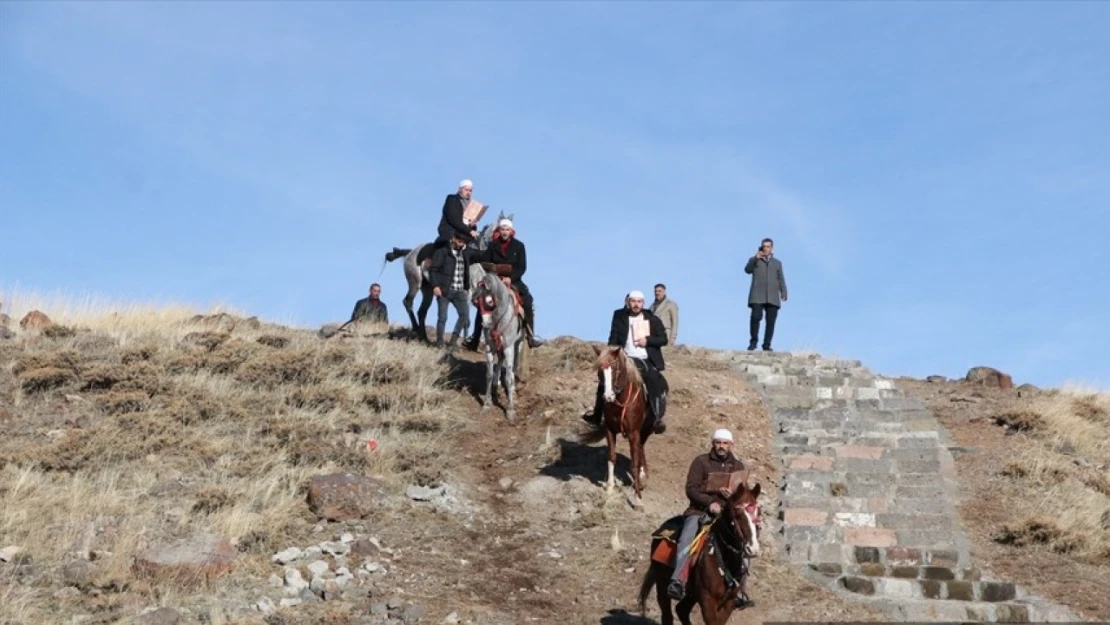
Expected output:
(744, 519)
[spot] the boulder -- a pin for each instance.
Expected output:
(989, 376)
(344, 496)
(35, 320)
(188, 561)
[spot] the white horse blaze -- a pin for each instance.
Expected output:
(608, 374)
(755, 539)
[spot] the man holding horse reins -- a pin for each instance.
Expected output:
(509, 258)
(644, 351)
(705, 503)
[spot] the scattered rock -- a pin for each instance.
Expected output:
(505, 483)
(989, 376)
(10, 553)
(318, 568)
(328, 330)
(412, 614)
(69, 593)
(35, 320)
(347, 537)
(451, 619)
(265, 605)
(294, 580)
(276, 582)
(5, 333)
(423, 493)
(78, 573)
(936, 379)
(364, 548)
(5, 320)
(287, 556)
(343, 496)
(194, 559)
(161, 616)
(335, 548)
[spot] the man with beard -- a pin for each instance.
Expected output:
(719, 459)
(510, 259)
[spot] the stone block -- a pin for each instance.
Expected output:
(806, 534)
(929, 538)
(823, 392)
(920, 492)
(859, 452)
(877, 505)
(916, 506)
(959, 590)
(944, 557)
(805, 516)
(918, 440)
(917, 466)
(980, 613)
(831, 569)
(997, 591)
(920, 425)
(867, 554)
(797, 552)
(870, 537)
(811, 462)
(903, 556)
(867, 393)
(931, 589)
(905, 572)
(854, 519)
(858, 585)
(971, 574)
(919, 454)
(924, 522)
(857, 465)
(883, 384)
(900, 588)
(830, 552)
(872, 569)
(903, 403)
(939, 573)
(1011, 613)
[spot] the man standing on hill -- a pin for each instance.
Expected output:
(450, 278)
(768, 285)
(667, 311)
(371, 308)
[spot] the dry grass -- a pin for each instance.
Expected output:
(142, 425)
(1063, 457)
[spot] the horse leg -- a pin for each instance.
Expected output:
(510, 384)
(686, 606)
(491, 379)
(611, 439)
(637, 454)
(666, 617)
(425, 304)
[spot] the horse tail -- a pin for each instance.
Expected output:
(595, 434)
(396, 253)
(650, 578)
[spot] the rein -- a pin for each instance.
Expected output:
(624, 405)
(498, 321)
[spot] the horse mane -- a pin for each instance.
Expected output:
(609, 358)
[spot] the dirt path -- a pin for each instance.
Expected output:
(541, 547)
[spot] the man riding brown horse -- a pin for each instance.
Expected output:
(509, 258)
(641, 334)
(704, 502)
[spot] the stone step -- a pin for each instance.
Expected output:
(933, 610)
(915, 588)
(907, 571)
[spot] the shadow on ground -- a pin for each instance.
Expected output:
(621, 617)
(579, 459)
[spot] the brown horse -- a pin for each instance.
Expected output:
(731, 541)
(625, 411)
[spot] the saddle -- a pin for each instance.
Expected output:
(665, 541)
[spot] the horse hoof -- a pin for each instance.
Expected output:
(511, 416)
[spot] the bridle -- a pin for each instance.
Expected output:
(487, 307)
(612, 364)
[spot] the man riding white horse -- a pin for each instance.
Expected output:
(509, 258)
(643, 347)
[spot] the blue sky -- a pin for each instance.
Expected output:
(935, 174)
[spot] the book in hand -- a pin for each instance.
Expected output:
(717, 481)
(641, 329)
(474, 212)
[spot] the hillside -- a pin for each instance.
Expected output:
(193, 463)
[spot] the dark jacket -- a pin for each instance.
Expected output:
(768, 283)
(371, 311)
(513, 255)
(618, 334)
(442, 270)
(697, 477)
(451, 222)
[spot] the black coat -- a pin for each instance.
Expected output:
(442, 270)
(451, 222)
(514, 255)
(618, 334)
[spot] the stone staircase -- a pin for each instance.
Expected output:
(869, 495)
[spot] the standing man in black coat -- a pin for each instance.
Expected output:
(644, 351)
(510, 259)
(767, 292)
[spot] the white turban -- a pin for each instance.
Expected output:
(466, 183)
(505, 222)
(635, 295)
(722, 435)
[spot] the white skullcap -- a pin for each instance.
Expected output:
(466, 183)
(635, 295)
(722, 435)
(505, 222)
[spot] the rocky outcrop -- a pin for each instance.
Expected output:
(35, 320)
(188, 561)
(989, 376)
(344, 496)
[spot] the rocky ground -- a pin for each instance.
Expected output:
(223, 471)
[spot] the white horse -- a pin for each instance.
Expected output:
(503, 329)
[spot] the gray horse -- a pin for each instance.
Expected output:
(417, 278)
(503, 330)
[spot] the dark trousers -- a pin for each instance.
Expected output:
(462, 306)
(757, 316)
(657, 389)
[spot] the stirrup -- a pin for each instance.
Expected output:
(675, 590)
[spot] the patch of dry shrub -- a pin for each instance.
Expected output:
(318, 398)
(1040, 531)
(45, 379)
(67, 359)
(228, 357)
(192, 406)
(123, 402)
(211, 499)
(377, 373)
(57, 331)
(271, 340)
(1091, 409)
(206, 340)
(1021, 421)
(138, 354)
(274, 369)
